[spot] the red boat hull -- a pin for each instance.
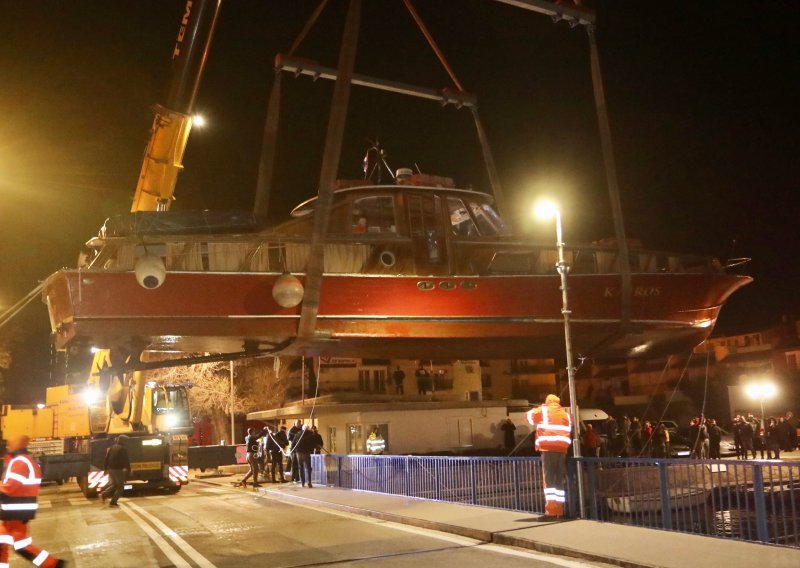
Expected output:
(390, 316)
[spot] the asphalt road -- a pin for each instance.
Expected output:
(210, 526)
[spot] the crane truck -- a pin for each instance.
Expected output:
(72, 430)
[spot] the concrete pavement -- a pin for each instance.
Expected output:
(610, 543)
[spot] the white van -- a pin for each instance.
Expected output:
(594, 416)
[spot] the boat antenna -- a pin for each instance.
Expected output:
(416, 165)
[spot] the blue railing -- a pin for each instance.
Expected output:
(742, 500)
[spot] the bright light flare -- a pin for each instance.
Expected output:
(40, 406)
(198, 120)
(758, 391)
(171, 421)
(545, 209)
(91, 396)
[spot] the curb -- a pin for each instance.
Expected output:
(505, 538)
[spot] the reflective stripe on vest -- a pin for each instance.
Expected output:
(21, 487)
(552, 437)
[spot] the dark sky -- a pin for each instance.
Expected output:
(702, 102)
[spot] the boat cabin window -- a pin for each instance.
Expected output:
(489, 222)
(460, 221)
(373, 214)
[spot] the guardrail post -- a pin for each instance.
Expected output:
(339, 471)
(762, 532)
(437, 490)
(517, 489)
(473, 481)
(666, 507)
(408, 476)
(591, 471)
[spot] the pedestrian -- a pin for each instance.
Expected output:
(376, 445)
(280, 445)
(19, 492)
(773, 440)
(291, 434)
(303, 444)
(398, 377)
(316, 437)
(760, 442)
(635, 435)
(791, 419)
(590, 442)
(714, 439)
(747, 432)
(783, 434)
(253, 447)
(553, 426)
(610, 429)
(737, 436)
(422, 380)
(660, 436)
(508, 434)
(116, 466)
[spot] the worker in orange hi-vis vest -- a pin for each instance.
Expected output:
(19, 492)
(553, 428)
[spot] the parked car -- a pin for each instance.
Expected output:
(726, 445)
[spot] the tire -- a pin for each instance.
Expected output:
(83, 483)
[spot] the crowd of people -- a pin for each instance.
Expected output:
(775, 435)
(632, 437)
(271, 450)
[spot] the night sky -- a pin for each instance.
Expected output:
(702, 102)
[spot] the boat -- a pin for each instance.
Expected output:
(417, 268)
(414, 268)
(679, 498)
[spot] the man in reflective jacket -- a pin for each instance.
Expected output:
(19, 492)
(553, 428)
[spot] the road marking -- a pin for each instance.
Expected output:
(558, 561)
(168, 551)
(191, 552)
(213, 490)
(156, 496)
(430, 533)
(79, 501)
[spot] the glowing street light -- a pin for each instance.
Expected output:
(547, 210)
(761, 391)
(198, 120)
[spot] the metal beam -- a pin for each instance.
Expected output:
(299, 66)
(571, 14)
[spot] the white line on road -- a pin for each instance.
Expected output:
(558, 561)
(170, 552)
(191, 552)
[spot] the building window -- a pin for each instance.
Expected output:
(486, 381)
(355, 439)
(332, 439)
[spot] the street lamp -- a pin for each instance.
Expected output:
(548, 210)
(761, 391)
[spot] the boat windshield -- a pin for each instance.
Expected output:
(373, 214)
(489, 222)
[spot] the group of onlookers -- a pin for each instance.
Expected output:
(631, 437)
(777, 434)
(267, 449)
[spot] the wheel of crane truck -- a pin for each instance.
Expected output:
(83, 483)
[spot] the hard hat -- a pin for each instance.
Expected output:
(551, 398)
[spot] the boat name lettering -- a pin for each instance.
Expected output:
(638, 292)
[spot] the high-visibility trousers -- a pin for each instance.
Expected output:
(14, 534)
(555, 475)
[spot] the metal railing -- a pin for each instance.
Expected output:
(743, 500)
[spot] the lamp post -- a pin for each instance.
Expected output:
(761, 391)
(547, 210)
(233, 398)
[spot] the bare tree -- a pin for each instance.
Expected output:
(258, 384)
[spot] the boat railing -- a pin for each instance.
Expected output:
(740, 500)
(380, 253)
